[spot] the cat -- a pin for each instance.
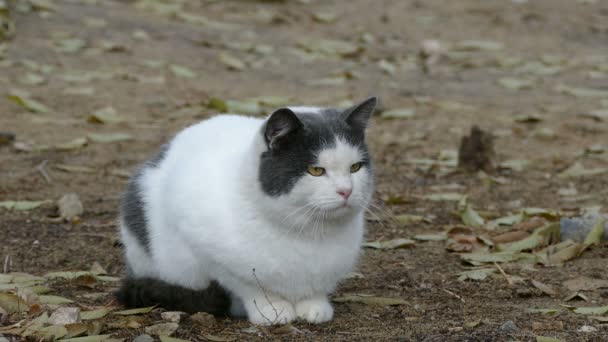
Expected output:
(250, 217)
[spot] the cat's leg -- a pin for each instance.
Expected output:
(265, 308)
(315, 309)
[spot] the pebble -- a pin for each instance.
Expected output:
(172, 316)
(577, 228)
(143, 338)
(161, 329)
(587, 329)
(64, 316)
(509, 327)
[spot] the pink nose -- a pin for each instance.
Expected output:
(345, 193)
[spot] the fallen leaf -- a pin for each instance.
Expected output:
(406, 219)
(53, 332)
(430, 237)
(576, 295)
(601, 319)
(478, 45)
(544, 311)
(401, 113)
(231, 62)
(497, 257)
(85, 280)
(22, 205)
(12, 303)
(510, 237)
(324, 17)
(76, 329)
(598, 310)
(32, 79)
(528, 118)
(94, 338)
(72, 144)
(471, 218)
(515, 83)
(547, 339)
(134, 311)
(215, 338)
(581, 92)
(597, 115)
(583, 283)
(95, 314)
(105, 138)
(578, 170)
(65, 275)
(546, 289)
(369, 300)
(595, 235)
(70, 45)
(106, 115)
(48, 299)
(84, 91)
(74, 168)
(478, 274)
(181, 71)
(331, 47)
(448, 196)
(515, 164)
(23, 99)
(390, 244)
(243, 107)
(388, 67)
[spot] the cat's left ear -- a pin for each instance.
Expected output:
(358, 115)
(281, 123)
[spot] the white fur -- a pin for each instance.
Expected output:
(210, 220)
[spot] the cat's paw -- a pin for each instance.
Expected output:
(279, 312)
(317, 310)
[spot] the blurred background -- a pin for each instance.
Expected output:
(91, 88)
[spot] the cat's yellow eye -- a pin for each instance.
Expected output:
(355, 167)
(316, 171)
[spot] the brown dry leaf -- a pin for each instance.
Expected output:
(576, 295)
(390, 244)
(12, 303)
(583, 283)
(76, 329)
(74, 168)
(369, 300)
(95, 314)
(85, 280)
(48, 299)
(546, 289)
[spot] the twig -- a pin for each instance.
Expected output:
(7, 264)
(509, 281)
(42, 169)
(455, 295)
(267, 299)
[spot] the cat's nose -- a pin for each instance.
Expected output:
(345, 193)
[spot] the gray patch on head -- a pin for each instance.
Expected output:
(280, 169)
(133, 206)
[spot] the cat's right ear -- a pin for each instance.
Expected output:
(279, 126)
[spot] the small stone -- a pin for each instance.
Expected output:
(203, 318)
(70, 206)
(143, 338)
(577, 228)
(162, 329)
(172, 316)
(63, 316)
(509, 327)
(587, 329)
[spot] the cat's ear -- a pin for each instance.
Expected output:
(281, 123)
(358, 115)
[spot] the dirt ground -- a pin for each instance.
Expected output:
(133, 60)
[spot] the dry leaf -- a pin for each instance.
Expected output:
(390, 244)
(369, 300)
(546, 289)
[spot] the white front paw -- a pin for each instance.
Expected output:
(315, 310)
(277, 312)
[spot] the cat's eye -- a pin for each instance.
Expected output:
(316, 171)
(355, 167)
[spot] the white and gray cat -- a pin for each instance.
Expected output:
(250, 217)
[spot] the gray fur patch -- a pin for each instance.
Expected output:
(280, 169)
(133, 206)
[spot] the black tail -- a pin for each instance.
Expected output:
(142, 292)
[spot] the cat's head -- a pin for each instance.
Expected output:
(316, 163)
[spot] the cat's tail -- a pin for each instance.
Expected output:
(143, 292)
